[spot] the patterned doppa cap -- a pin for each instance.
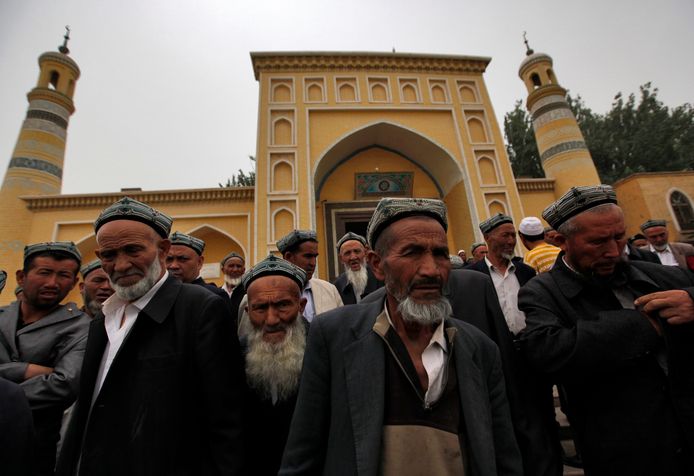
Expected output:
(3, 279)
(350, 237)
(64, 247)
(178, 238)
(578, 200)
(477, 245)
(274, 266)
(295, 237)
(490, 223)
(652, 223)
(390, 210)
(129, 209)
(89, 267)
(233, 254)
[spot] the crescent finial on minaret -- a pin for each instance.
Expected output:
(528, 49)
(63, 48)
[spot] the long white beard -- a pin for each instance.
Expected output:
(140, 288)
(232, 282)
(358, 279)
(273, 369)
(424, 314)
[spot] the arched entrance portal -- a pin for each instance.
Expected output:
(382, 159)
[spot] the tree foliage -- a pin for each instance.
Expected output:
(242, 179)
(635, 135)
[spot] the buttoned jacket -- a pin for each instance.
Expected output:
(338, 420)
(57, 340)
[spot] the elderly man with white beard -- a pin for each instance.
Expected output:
(358, 280)
(162, 385)
(274, 351)
(397, 386)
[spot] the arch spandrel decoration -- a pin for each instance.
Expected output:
(439, 164)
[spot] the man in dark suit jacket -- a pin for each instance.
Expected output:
(541, 449)
(358, 280)
(162, 382)
(17, 443)
(618, 336)
(367, 404)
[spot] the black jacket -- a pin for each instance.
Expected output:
(172, 401)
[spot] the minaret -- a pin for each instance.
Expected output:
(563, 151)
(36, 166)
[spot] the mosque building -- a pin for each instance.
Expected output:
(336, 132)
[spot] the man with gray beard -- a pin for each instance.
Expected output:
(357, 281)
(95, 287)
(397, 386)
(274, 351)
(162, 385)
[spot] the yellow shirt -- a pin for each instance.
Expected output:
(542, 257)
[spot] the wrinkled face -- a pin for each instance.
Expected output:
(480, 252)
(184, 263)
(274, 303)
(304, 257)
(96, 287)
(417, 262)
(352, 254)
(128, 249)
(48, 281)
(501, 241)
(462, 255)
(234, 268)
(657, 236)
(596, 247)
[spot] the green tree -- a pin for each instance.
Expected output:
(521, 146)
(242, 179)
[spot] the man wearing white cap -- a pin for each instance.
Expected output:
(541, 255)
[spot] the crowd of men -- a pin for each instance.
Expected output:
(412, 361)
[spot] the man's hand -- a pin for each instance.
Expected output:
(35, 369)
(675, 306)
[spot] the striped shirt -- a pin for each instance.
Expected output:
(542, 257)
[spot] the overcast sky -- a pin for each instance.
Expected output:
(167, 97)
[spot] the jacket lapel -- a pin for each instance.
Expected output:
(62, 313)
(365, 382)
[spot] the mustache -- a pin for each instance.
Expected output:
(275, 328)
(115, 276)
(425, 282)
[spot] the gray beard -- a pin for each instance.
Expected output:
(140, 288)
(231, 282)
(424, 314)
(358, 279)
(660, 248)
(273, 370)
(93, 306)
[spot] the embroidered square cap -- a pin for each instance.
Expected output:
(652, 223)
(64, 247)
(497, 220)
(477, 245)
(89, 267)
(294, 238)
(578, 200)
(233, 254)
(274, 266)
(350, 236)
(3, 279)
(390, 210)
(130, 209)
(178, 238)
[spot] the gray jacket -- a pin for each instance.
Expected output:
(57, 340)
